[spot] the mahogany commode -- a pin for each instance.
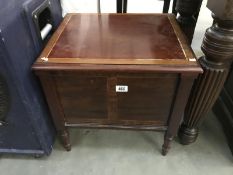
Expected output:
(127, 71)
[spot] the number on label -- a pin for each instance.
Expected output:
(121, 88)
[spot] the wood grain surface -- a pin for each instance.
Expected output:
(118, 39)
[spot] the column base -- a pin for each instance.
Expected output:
(187, 135)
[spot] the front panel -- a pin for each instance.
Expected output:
(116, 98)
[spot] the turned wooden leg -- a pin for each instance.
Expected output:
(188, 13)
(65, 139)
(218, 49)
(182, 93)
(56, 111)
(167, 144)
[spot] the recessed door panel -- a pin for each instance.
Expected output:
(83, 98)
(147, 99)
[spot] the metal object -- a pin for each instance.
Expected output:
(45, 31)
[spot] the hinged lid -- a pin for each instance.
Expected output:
(118, 39)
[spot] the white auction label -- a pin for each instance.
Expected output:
(121, 88)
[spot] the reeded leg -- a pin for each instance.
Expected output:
(204, 93)
(65, 139)
(218, 49)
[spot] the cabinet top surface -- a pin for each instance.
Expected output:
(118, 39)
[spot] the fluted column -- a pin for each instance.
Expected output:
(188, 13)
(218, 49)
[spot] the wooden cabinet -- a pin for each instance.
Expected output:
(127, 71)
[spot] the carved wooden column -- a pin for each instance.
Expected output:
(218, 49)
(188, 13)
